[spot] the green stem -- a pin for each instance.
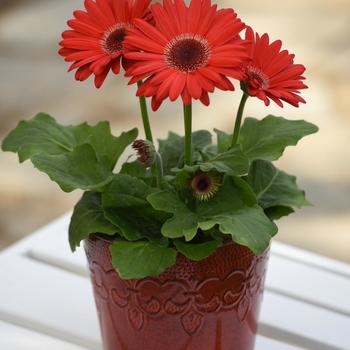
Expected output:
(159, 166)
(145, 117)
(239, 119)
(148, 133)
(188, 133)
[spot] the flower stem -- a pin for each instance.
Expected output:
(159, 166)
(188, 133)
(145, 117)
(156, 168)
(239, 119)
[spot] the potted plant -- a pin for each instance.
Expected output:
(177, 239)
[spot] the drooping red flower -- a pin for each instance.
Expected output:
(189, 52)
(95, 42)
(145, 152)
(271, 73)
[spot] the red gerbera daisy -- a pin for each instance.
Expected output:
(271, 73)
(189, 52)
(95, 42)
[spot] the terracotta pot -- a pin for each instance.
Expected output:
(208, 305)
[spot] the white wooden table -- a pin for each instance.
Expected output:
(46, 300)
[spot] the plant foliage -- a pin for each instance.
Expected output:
(150, 225)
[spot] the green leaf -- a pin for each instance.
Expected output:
(79, 156)
(248, 227)
(135, 169)
(184, 223)
(274, 187)
(41, 135)
(88, 218)
(267, 139)
(234, 209)
(201, 139)
(105, 144)
(234, 194)
(78, 169)
(125, 205)
(232, 162)
(276, 213)
(224, 140)
(135, 260)
(172, 148)
(196, 252)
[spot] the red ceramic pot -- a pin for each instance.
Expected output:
(212, 304)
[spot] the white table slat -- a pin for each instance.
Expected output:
(263, 343)
(48, 300)
(312, 259)
(17, 338)
(309, 283)
(303, 323)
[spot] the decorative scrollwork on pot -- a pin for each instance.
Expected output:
(190, 299)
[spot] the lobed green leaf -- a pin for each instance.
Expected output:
(234, 209)
(81, 156)
(267, 139)
(77, 169)
(135, 260)
(276, 213)
(275, 188)
(125, 205)
(224, 140)
(198, 251)
(88, 218)
(232, 162)
(135, 169)
(172, 148)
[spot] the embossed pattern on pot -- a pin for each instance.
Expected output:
(212, 304)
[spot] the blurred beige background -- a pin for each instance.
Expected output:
(33, 78)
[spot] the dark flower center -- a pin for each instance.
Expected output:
(202, 183)
(256, 78)
(112, 40)
(205, 185)
(187, 52)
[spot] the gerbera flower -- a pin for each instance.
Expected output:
(271, 73)
(95, 42)
(189, 52)
(205, 185)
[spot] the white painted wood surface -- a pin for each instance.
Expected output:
(18, 338)
(46, 293)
